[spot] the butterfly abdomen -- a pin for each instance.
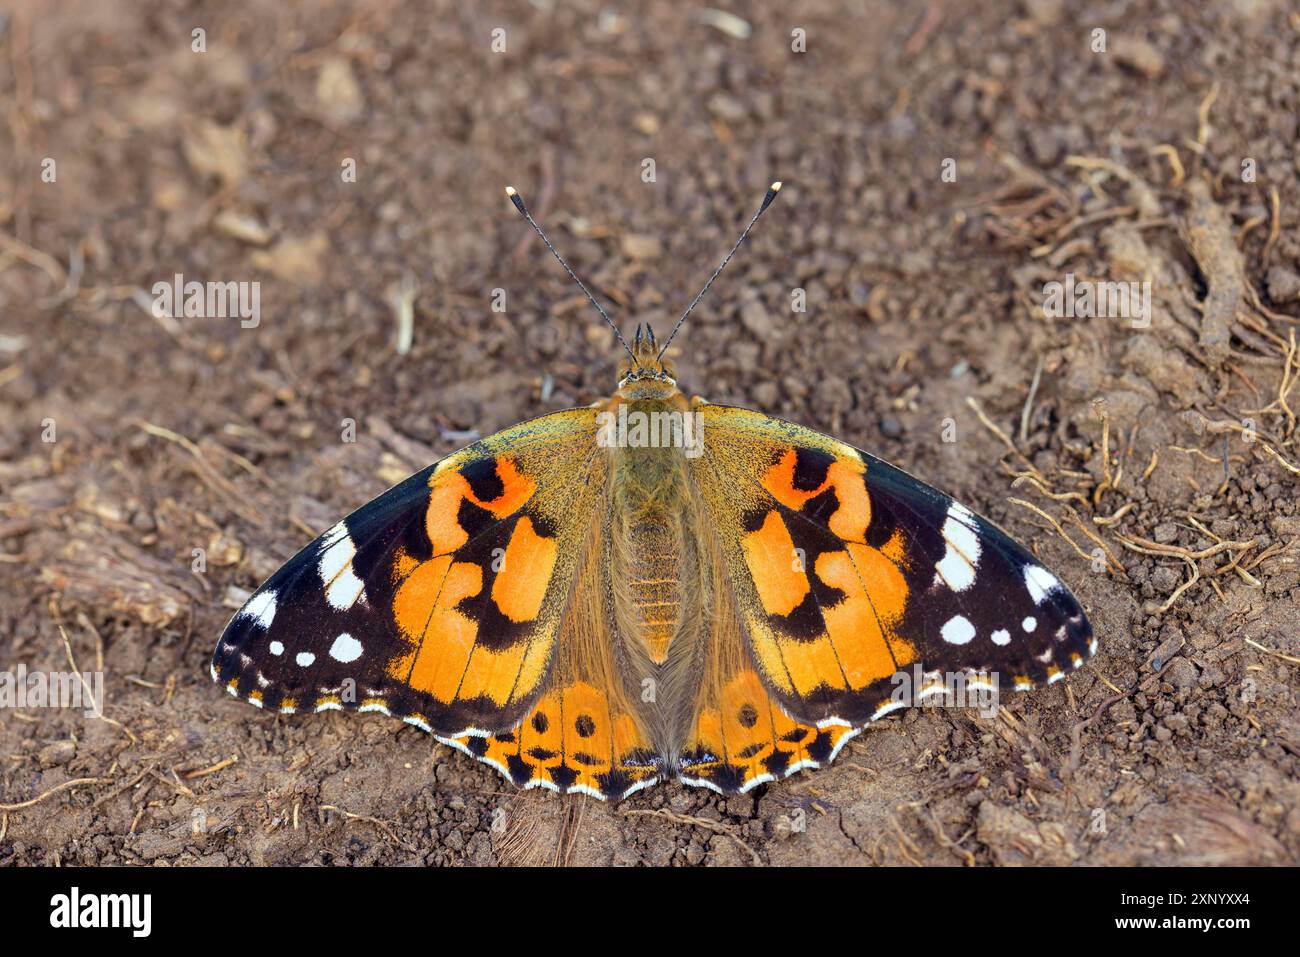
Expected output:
(654, 582)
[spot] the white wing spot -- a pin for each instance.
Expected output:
(260, 608)
(345, 648)
(1040, 582)
(1030, 623)
(305, 658)
(335, 558)
(342, 587)
(1001, 637)
(277, 648)
(962, 555)
(958, 630)
(345, 590)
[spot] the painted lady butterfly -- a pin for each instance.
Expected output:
(650, 587)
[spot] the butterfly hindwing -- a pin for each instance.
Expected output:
(439, 601)
(572, 741)
(847, 572)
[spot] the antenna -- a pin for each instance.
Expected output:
(519, 205)
(767, 201)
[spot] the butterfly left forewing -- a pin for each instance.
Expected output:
(847, 572)
(439, 601)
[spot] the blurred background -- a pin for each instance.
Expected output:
(943, 163)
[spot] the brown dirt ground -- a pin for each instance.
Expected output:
(1177, 744)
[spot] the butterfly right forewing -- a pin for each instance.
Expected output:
(848, 572)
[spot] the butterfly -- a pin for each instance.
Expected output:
(651, 588)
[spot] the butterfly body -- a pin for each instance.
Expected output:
(655, 603)
(651, 588)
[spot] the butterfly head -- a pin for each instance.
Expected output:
(645, 367)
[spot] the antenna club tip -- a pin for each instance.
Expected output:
(776, 187)
(510, 191)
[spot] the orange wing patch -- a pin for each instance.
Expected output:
(572, 741)
(442, 638)
(861, 625)
(525, 572)
(833, 627)
(502, 498)
(777, 568)
(446, 657)
(843, 477)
